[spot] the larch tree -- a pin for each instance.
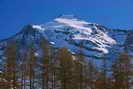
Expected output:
(11, 66)
(66, 68)
(121, 70)
(45, 64)
(30, 68)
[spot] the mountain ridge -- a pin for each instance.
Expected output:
(68, 31)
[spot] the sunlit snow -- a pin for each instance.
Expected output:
(38, 27)
(101, 40)
(36, 54)
(79, 25)
(52, 42)
(82, 31)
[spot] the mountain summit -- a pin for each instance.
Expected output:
(93, 40)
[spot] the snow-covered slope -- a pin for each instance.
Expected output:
(90, 33)
(95, 41)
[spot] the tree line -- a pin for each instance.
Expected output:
(60, 69)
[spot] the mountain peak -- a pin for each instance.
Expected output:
(74, 22)
(73, 18)
(68, 31)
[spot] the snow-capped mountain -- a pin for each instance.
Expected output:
(77, 35)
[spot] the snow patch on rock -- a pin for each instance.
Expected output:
(39, 27)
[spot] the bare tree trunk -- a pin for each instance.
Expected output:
(81, 76)
(14, 79)
(22, 79)
(43, 81)
(47, 77)
(30, 76)
(25, 81)
(104, 74)
(53, 80)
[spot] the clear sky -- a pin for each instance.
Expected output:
(14, 14)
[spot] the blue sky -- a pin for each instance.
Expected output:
(14, 14)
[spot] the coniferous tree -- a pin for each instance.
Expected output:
(23, 69)
(79, 70)
(3, 82)
(78, 74)
(66, 68)
(121, 72)
(54, 67)
(11, 66)
(81, 64)
(45, 65)
(91, 73)
(104, 73)
(30, 68)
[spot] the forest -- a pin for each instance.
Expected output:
(60, 69)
